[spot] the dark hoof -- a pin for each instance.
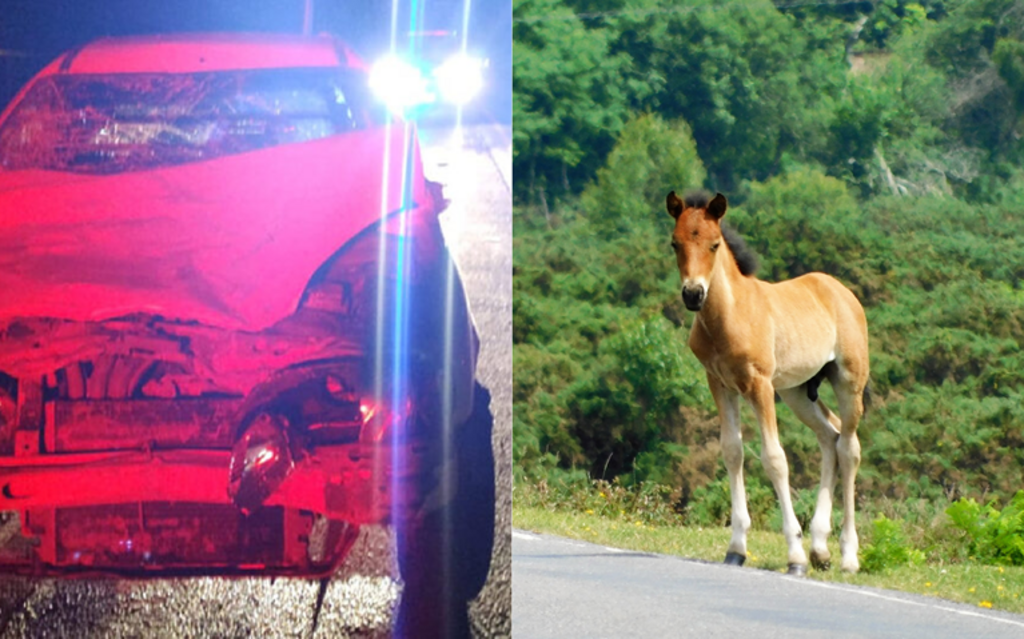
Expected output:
(734, 559)
(820, 564)
(797, 570)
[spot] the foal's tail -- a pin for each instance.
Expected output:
(866, 397)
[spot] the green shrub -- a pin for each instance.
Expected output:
(888, 548)
(994, 536)
(627, 403)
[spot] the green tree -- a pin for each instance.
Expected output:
(963, 47)
(568, 102)
(1008, 56)
(741, 74)
(650, 158)
(806, 221)
(889, 19)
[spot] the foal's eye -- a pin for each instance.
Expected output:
(714, 247)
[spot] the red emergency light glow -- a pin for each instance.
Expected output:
(196, 232)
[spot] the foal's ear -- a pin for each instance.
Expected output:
(716, 207)
(674, 204)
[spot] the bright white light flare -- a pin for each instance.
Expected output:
(460, 78)
(399, 84)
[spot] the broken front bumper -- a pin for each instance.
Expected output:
(147, 513)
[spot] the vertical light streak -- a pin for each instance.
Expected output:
(394, 26)
(382, 263)
(398, 306)
(466, 4)
(307, 18)
(399, 299)
(448, 428)
(448, 433)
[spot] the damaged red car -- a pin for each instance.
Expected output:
(230, 330)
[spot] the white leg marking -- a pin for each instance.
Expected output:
(732, 451)
(777, 469)
(848, 449)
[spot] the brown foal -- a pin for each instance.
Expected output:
(756, 339)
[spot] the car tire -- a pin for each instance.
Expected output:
(445, 556)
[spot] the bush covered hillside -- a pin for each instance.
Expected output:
(881, 142)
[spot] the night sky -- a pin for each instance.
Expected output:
(34, 32)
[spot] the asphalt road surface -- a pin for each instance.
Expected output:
(476, 169)
(566, 589)
(360, 599)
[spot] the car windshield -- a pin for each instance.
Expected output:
(122, 122)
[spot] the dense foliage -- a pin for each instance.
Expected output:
(881, 142)
(993, 536)
(889, 547)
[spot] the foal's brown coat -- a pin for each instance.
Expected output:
(754, 339)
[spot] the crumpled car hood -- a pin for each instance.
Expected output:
(229, 242)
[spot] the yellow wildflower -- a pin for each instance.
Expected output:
(999, 587)
(970, 590)
(927, 584)
(590, 512)
(1000, 569)
(603, 495)
(985, 604)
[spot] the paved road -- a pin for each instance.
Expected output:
(361, 597)
(566, 589)
(476, 169)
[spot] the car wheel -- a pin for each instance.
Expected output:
(445, 556)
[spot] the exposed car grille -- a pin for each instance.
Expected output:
(158, 423)
(165, 535)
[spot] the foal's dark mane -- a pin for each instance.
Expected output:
(696, 200)
(746, 258)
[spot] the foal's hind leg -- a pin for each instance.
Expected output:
(851, 408)
(825, 425)
(728, 403)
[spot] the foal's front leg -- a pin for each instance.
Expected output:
(762, 400)
(728, 403)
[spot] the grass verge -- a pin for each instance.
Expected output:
(979, 585)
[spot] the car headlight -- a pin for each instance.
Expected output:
(460, 78)
(399, 84)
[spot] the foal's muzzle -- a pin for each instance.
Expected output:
(694, 297)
